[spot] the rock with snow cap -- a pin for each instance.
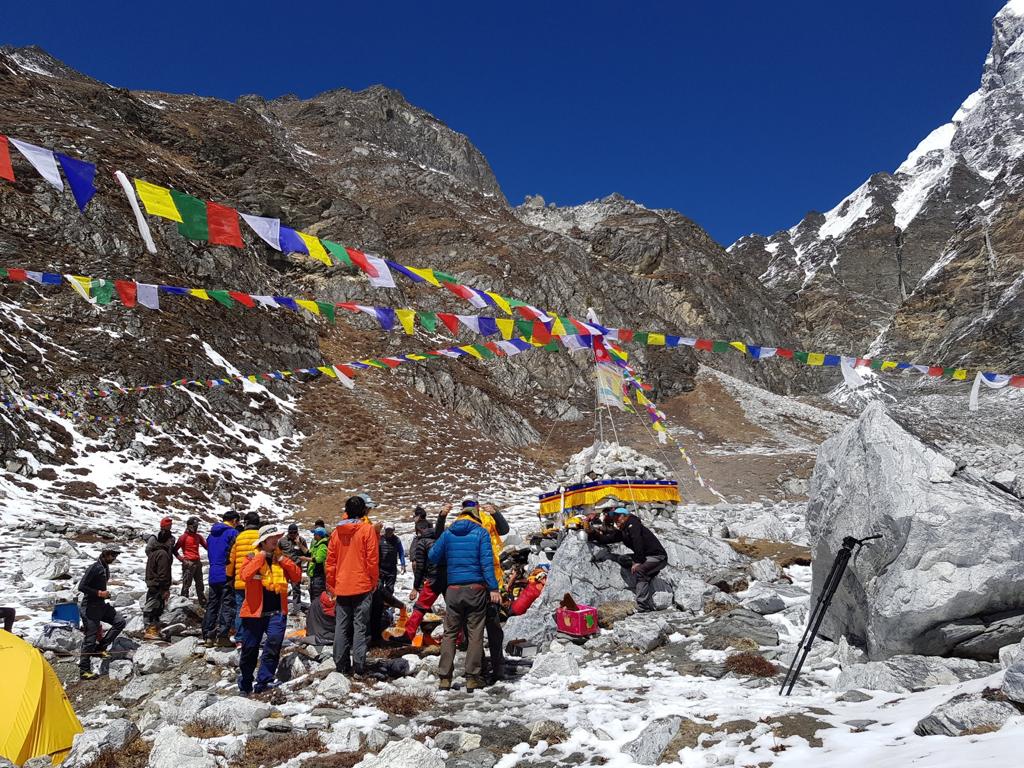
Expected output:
(966, 714)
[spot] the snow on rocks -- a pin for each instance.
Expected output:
(947, 553)
(1013, 680)
(907, 673)
(966, 714)
(49, 561)
(554, 664)
(646, 749)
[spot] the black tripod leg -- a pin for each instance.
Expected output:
(810, 623)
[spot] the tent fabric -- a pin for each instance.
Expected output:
(36, 717)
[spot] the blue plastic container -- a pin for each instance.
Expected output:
(66, 612)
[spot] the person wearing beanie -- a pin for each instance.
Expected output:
(352, 572)
(220, 605)
(188, 545)
(241, 547)
(647, 558)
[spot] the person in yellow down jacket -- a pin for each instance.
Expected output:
(267, 575)
(240, 551)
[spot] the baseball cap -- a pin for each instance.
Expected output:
(620, 511)
(320, 531)
(111, 551)
(370, 503)
(166, 522)
(293, 528)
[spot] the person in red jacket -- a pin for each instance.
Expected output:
(191, 564)
(267, 574)
(352, 572)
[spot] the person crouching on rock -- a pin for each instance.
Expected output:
(267, 574)
(648, 557)
(465, 550)
(158, 581)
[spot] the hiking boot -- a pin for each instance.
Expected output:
(151, 633)
(473, 684)
(88, 676)
(444, 684)
(223, 642)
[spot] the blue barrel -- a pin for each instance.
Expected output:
(66, 612)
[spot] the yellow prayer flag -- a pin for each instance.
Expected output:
(739, 345)
(407, 317)
(309, 306)
(656, 339)
(469, 349)
(326, 371)
(641, 398)
(506, 325)
(815, 358)
(658, 426)
(558, 328)
(960, 374)
(316, 249)
(501, 301)
(252, 378)
(413, 356)
(158, 200)
(82, 285)
(199, 293)
(426, 274)
(888, 365)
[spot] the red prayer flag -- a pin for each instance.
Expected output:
(863, 362)
(705, 344)
(347, 305)
(242, 298)
(126, 291)
(935, 371)
(494, 348)
(541, 333)
(1017, 381)
(391, 362)
(781, 352)
(625, 334)
(18, 275)
(359, 259)
(6, 171)
(528, 313)
(346, 370)
(222, 224)
(451, 321)
(459, 290)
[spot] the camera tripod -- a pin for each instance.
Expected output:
(828, 590)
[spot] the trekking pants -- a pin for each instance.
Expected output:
(495, 640)
(466, 611)
(7, 615)
(154, 605)
(387, 582)
(317, 586)
(644, 576)
(192, 570)
(94, 615)
(270, 631)
(424, 602)
(352, 632)
(220, 611)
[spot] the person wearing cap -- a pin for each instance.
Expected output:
(647, 558)
(391, 554)
(267, 573)
(96, 611)
(240, 550)
(295, 547)
(466, 552)
(352, 571)
(158, 581)
(191, 563)
(315, 566)
(220, 605)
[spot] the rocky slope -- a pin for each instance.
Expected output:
(924, 261)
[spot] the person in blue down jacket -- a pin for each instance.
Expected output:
(465, 550)
(218, 621)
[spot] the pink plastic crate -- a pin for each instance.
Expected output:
(578, 623)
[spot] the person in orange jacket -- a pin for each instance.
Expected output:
(267, 574)
(352, 572)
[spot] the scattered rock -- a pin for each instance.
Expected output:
(906, 673)
(966, 714)
(477, 758)
(612, 611)
(1013, 680)
(47, 562)
(642, 632)
(57, 636)
(737, 626)
(151, 659)
(549, 731)
(647, 747)
(407, 753)
(235, 713)
(335, 686)
(764, 600)
(554, 665)
(457, 741)
(173, 749)
(854, 696)
(765, 570)
(87, 746)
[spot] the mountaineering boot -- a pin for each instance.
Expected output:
(444, 684)
(473, 684)
(152, 633)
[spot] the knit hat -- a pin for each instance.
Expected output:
(166, 522)
(469, 503)
(322, 532)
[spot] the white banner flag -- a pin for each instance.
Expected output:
(42, 160)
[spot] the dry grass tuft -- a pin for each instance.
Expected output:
(201, 729)
(750, 665)
(783, 553)
(405, 704)
(335, 759)
(278, 748)
(134, 755)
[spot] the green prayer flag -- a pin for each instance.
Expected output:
(223, 297)
(551, 346)
(444, 277)
(720, 347)
(640, 337)
(484, 351)
(3, 273)
(876, 364)
(800, 357)
(428, 320)
(327, 310)
(524, 327)
(338, 253)
(102, 291)
(193, 216)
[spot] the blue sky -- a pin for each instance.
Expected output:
(742, 115)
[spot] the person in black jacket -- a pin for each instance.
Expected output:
(648, 555)
(391, 554)
(96, 611)
(158, 581)
(428, 579)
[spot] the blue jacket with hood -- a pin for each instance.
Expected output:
(465, 549)
(218, 548)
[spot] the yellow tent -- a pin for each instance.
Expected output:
(36, 717)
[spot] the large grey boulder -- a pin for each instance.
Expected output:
(173, 749)
(58, 636)
(45, 564)
(407, 753)
(906, 674)
(235, 713)
(87, 746)
(1013, 680)
(740, 625)
(554, 665)
(950, 548)
(647, 747)
(964, 715)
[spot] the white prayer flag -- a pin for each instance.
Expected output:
(42, 160)
(267, 228)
